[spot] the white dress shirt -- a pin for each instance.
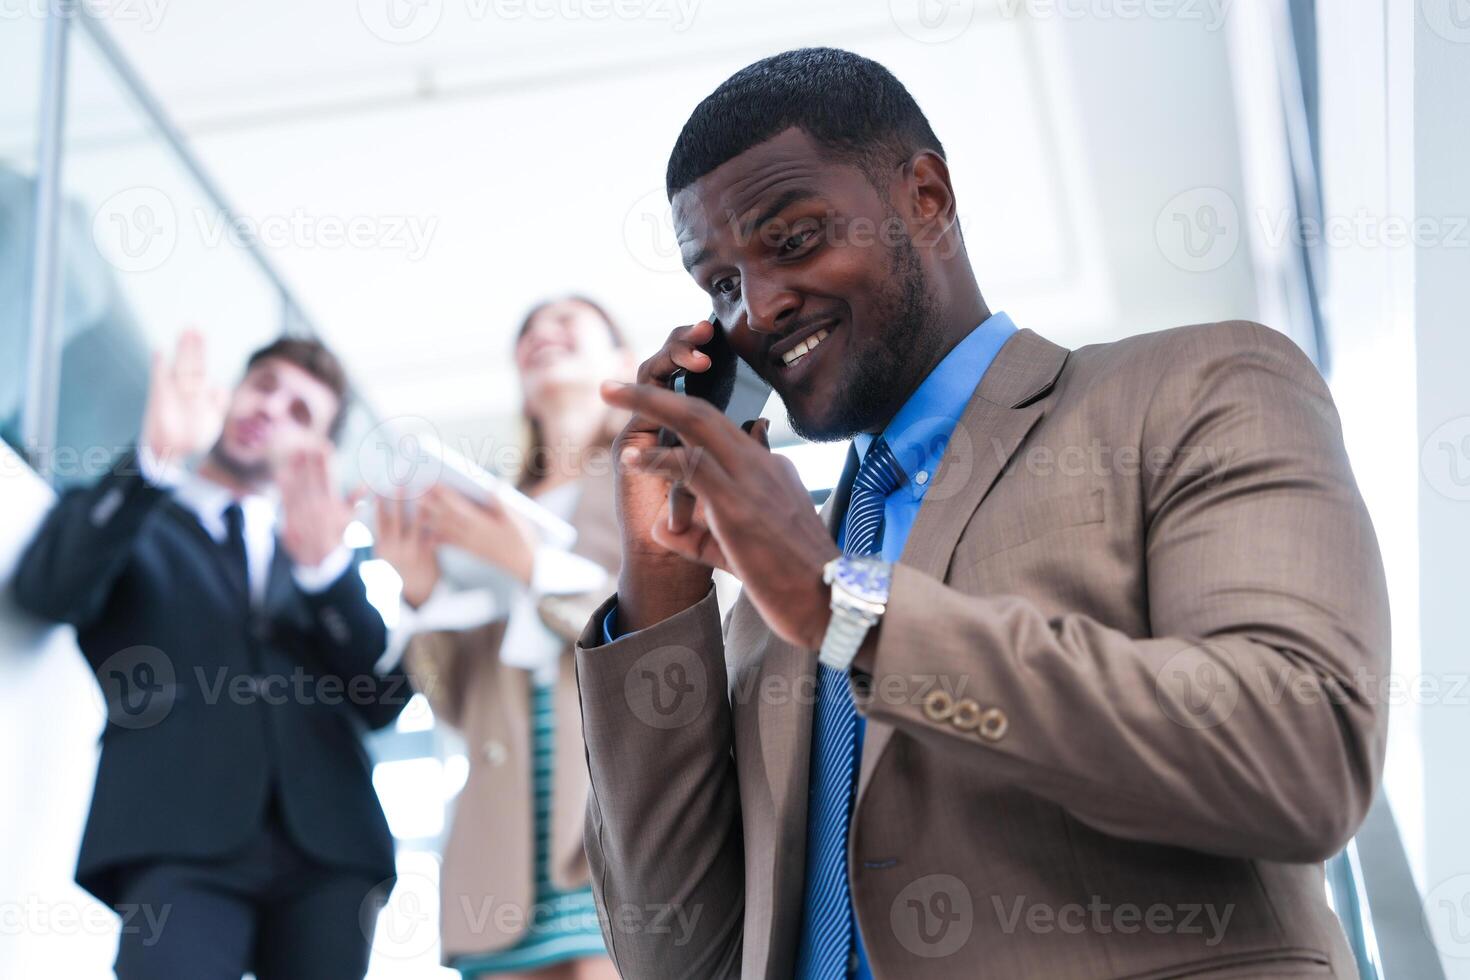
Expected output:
(207, 500)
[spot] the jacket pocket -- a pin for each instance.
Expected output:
(1262, 964)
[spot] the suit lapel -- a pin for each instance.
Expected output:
(1004, 408)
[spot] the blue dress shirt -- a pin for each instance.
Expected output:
(918, 436)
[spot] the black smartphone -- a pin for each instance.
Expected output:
(730, 385)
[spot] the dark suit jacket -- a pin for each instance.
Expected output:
(1120, 708)
(211, 704)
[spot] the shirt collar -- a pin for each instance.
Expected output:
(208, 501)
(920, 431)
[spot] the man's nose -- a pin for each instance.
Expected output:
(769, 306)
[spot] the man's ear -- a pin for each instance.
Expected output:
(932, 209)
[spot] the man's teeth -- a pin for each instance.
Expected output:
(800, 350)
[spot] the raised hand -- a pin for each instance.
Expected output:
(184, 411)
(315, 515)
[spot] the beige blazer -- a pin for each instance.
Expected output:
(1119, 710)
(486, 877)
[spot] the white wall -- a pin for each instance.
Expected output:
(50, 718)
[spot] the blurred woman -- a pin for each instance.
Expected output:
(496, 664)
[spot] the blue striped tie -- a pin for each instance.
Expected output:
(826, 918)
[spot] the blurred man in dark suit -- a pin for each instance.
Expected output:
(237, 654)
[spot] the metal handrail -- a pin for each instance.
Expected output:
(38, 422)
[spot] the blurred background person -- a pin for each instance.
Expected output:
(234, 826)
(495, 662)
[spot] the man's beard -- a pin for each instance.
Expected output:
(248, 473)
(876, 381)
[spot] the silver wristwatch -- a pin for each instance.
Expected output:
(859, 597)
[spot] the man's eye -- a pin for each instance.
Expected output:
(727, 285)
(796, 241)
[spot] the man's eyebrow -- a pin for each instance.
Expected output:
(695, 259)
(783, 201)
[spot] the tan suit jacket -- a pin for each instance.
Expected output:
(1118, 712)
(486, 879)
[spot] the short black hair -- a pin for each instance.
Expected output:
(850, 105)
(317, 360)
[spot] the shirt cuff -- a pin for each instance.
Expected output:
(610, 625)
(315, 579)
(157, 471)
(445, 609)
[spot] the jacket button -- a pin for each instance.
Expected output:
(495, 752)
(938, 705)
(993, 725)
(966, 715)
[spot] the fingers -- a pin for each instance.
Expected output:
(678, 352)
(694, 468)
(694, 420)
(189, 366)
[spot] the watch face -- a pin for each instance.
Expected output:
(866, 578)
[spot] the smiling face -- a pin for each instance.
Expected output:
(816, 276)
(278, 405)
(565, 344)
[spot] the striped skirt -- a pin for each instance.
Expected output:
(562, 924)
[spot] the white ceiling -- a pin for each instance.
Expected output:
(527, 153)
